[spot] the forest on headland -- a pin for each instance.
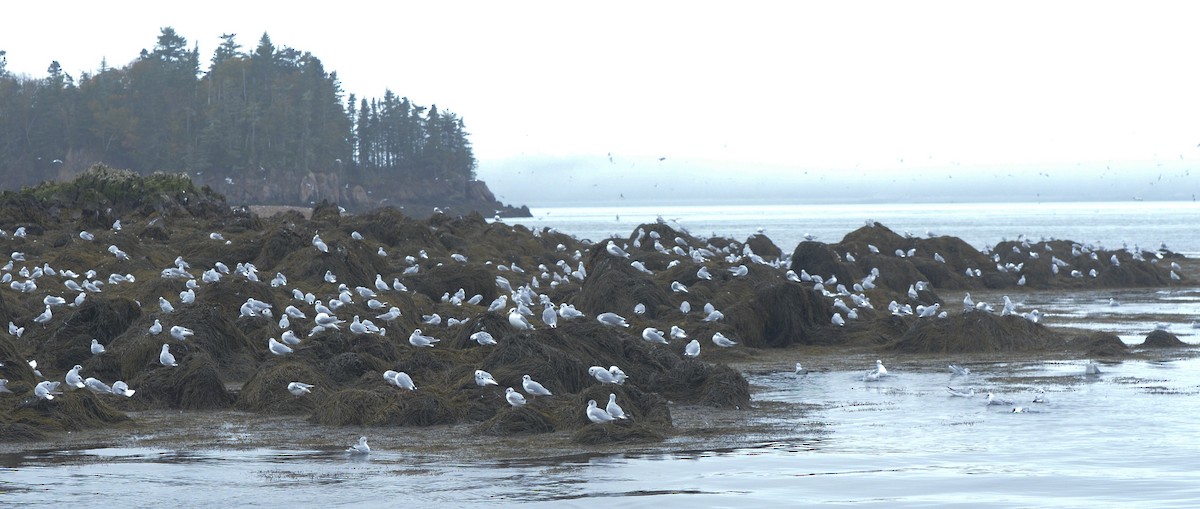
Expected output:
(269, 125)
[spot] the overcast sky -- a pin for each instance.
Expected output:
(774, 89)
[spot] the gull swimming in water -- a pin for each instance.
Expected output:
(513, 397)
(612, 320)
(165, 358)
(692, 349)
(596, 414)
(1091, 368)
(484, 379)
(360, 448)
(533, 388)
(959, 393)
(800, 370)
(879, 368)
(299, 388)
(992, 400)
(613, 408)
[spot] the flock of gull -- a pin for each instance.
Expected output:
(518, 301)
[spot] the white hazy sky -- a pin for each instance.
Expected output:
(780, 86)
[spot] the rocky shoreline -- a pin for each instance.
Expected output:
(882, 287)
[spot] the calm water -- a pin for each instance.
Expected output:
(1146, 224)
(1121, 439)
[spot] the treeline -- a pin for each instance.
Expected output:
(270, 113)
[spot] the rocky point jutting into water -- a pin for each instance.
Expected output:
(246, 305)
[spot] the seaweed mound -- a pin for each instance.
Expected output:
(1100, 344)
(1162, 339)
(976, 332)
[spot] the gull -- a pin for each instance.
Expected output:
(458, 258)
(45, 317)
(1113, 302)
(355, 235)
(327, 320)
(187, 296)
(434, 319)
(14, 330)
(418, 339)
(4, 386)
(484, 379)
(611, 320)
(596, 414)
(739, 271)
(53, 300)
(959, 370)
(86, 236)
(871, 376)
(602, 375)
(1041, 396)
(278, 348)
(702, 274)
(550, 316)
(513, 397)
(156, 328)
(678, 287)
(73, 379)
(714, 315)
(381, 252)
(319, 244)
(284, 322)
(165, 306)
(994, 401)
(800, 370)
(299, 388)
(518, 321)
(97, 348)
(968, 303)
(360, 448)
(838, 320)
(121, 388)
(216, 236)
(97, 386)
(653, 335)
(685, 307)
(289, 338)
(613, 408)
(72, 285)
(879, 367)
(961, 394)
(722, 341)
(639, 309)
(399, 379)
(46, 390)
(532, 387)
(180, 332)
(692, 349)
(392, 314)
(483, 338)
(677, 333)
(116, 251)
(615, 251)
(1091, 368)
(293, 312)
(329, 277)
(641, 267)
(568, 312)
(617, 374)
(165, 358)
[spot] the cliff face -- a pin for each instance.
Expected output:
(416, 198)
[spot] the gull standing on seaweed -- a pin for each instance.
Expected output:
(533, 388)
(165, 358)
(320, 245)
(677, 333)
(4, 386)
(73, 379)
(484, 379)
(613, 408)
(299, 388)
(602, 375)
(722, 341)
(360, 448)
(513, 397)
(46, 390)
(121, 388)
(678, 287)
(550, 316)
(179, 332)
(692, 349)
(518, 321)
(399, 379)
(596, 414)
(653, 335)
(615, 251)
(97, 348)
(419, 339)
